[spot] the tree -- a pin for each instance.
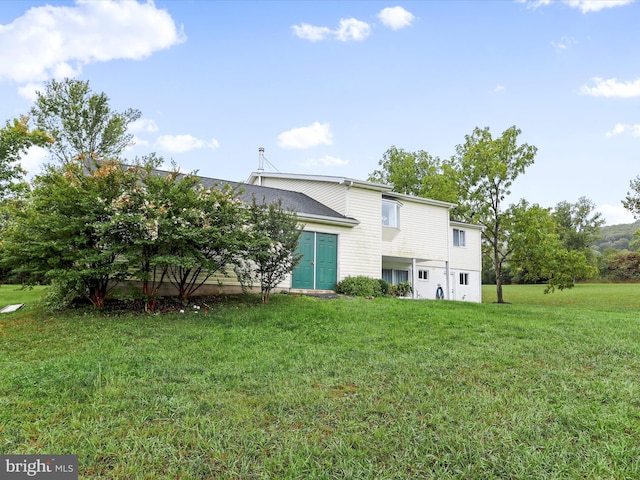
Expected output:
(578, 225)
(632, 200)
(273, 234)
(59, 231)
(417, 173)
(81, 123)
(209, 241)
(487, 168)
(536, 250)
(15, 140)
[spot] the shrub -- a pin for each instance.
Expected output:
(360, 286)
(401, 289)
(384, 286)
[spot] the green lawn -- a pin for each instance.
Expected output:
(309, 388)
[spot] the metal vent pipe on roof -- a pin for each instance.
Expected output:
(260, 159)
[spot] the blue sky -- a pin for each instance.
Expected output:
(327, 87)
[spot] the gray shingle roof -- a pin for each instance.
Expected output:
(298, 202)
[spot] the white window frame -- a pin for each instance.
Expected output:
(423, 274)
(459, 238)
(464, 279)
(394, 275)
(393, 219)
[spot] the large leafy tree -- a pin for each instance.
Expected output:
(81, 123)
(59, 230)
(269, 255)
(417, 173)
(578, 223)
(537, 252)
(487, 167)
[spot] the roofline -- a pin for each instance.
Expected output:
(458, 223)
(344, 222)
(428, 201)
(322, 178)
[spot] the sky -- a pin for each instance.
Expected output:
(327, 87)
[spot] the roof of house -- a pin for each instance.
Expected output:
(305, 207)
(322, 178)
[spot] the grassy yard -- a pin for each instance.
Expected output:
(310, 388)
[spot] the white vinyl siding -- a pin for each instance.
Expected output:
(423, 234)
(333, 195)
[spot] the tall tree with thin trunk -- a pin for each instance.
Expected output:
(487, 167)
(81, 124)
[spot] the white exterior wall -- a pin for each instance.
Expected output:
(422, 233)
(333, 195)
(466, 260)
(360, 253)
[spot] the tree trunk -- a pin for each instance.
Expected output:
(497, 265)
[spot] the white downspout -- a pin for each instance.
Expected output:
(414, 278)
(448, 262)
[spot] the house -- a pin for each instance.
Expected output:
(354, 227)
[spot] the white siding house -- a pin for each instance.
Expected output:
(387, 235)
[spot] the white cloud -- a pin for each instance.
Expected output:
(183, 143)
(311, 33)
(499, 88)
(615, 214)
(33, 160)
(352, 29)
(621, 128)
(53, 41)
(612, 88)
(326, 161)
(305, 137)
(585, 6)
(143, 125)
(349, 29)
(395, 17)
(30, 91)
(564, 43)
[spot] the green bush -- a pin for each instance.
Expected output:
(384, 286)
(401, 289)
(360, 286)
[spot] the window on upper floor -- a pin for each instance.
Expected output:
(390, 213)
(459, 238)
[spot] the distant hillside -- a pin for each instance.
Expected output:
(616, 236)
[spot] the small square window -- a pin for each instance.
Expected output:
(464, 279)
(459, 239)
(423, 274)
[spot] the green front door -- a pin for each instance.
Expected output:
(326, 261)
(303, 274)
(318, 267)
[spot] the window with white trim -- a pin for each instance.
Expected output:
(459, 238)
(393, 277)
(464, 279)
(423, 274)
(390, 214)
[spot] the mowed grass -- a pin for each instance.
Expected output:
(311, 388)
